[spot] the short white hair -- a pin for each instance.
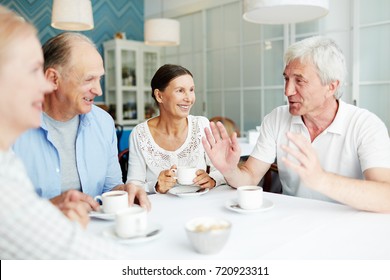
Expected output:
(326, 56)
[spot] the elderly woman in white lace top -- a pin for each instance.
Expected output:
(160, 144)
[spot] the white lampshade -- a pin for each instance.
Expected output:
(284, 11)
(162, 32)
(73, 15)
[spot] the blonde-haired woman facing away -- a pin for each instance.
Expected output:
(31, 227)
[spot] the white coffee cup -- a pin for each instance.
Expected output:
(113, 201)
(186, 175)
(131, 222)
(250, 197)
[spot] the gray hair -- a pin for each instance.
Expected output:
(57, 50)
(326, 56)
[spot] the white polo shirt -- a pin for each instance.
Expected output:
(355, 141)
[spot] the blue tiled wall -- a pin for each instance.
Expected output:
(110, 16)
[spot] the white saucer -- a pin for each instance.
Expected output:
(105, 216)
(154, 230)
(101, 215)
(232, 205)
(187, 190)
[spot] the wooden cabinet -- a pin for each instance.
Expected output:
(130, 66)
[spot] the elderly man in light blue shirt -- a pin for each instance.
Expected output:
(76, 146)
(96, 156)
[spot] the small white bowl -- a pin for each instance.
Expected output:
(208, 235)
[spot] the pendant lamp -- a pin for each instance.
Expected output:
(284, 11)
(162, 32)
(72, 15)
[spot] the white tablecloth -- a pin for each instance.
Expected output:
(295, 228)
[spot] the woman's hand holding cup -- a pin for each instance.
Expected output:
(204, 180)
(194, 176)
(166, 180)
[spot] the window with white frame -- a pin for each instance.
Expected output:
(238, 65)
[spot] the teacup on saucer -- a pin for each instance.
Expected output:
(234, 206)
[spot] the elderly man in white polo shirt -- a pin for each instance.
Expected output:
(325, 148)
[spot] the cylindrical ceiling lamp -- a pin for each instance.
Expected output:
(162, 32)
(72, 15)
(284, 11)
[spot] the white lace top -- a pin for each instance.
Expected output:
(147, 159)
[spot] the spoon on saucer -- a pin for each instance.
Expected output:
(149, 234)
(197, 191)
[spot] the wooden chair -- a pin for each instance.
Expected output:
(123, 158)
(271, 182)
(229, 124)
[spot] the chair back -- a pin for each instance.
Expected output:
(271, 181)
(123, 158)
(119, 133)
(229, 124)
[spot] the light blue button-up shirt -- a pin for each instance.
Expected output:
(96, 156)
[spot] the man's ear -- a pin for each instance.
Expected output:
(52, 76)
(333, 86)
